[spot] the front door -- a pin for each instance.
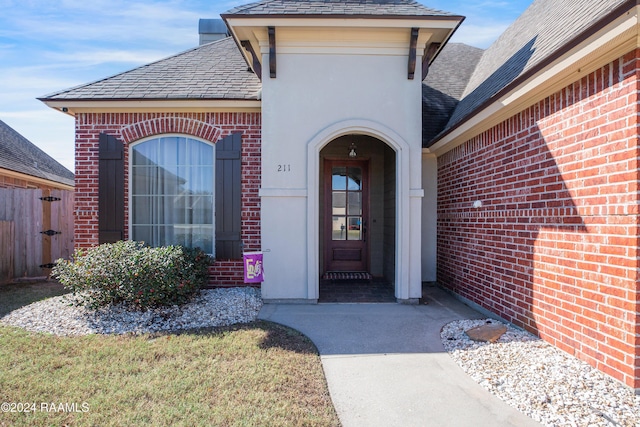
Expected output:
(346, 215)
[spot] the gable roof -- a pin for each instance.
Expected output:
(443, 87)
(213, 71)
(18, 154)
(536, 36)
(462, 81)
(354, 8)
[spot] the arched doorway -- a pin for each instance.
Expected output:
(357, 220)
(405, 203)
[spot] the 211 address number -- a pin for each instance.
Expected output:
(284, 168)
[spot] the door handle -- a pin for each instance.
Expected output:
(364, 231)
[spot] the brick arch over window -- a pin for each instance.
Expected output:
(163, 125)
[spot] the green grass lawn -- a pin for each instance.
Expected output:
(260, 374)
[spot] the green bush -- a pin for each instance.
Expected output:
(133, 273)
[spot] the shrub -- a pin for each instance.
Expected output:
(133, 273)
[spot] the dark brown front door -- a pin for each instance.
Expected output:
(346, 215)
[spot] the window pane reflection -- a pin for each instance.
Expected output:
(339, 228)
(172, 192)
(355, 179)
(355, 229)
(355, 204)
(339, 179)
(339, 203)
(346, 203)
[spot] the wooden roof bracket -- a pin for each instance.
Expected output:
(255, 62)
(429, 52)
(272, 52)
(412, 52)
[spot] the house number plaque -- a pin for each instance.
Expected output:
(284, 168)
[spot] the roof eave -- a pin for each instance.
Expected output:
(125, 105)
(27, 177)
(341, 17)
(446, 40)
(338, 21)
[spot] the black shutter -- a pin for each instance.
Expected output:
(110, 189)
(228, 197)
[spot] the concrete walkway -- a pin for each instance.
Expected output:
(386, 366)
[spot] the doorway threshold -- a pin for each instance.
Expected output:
(356, 291)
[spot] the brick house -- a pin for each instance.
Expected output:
(349, 136)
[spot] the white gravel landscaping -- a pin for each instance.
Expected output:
(540, 380)
(212, 307)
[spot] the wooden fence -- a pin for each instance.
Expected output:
(36, 228)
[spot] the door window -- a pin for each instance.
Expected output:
(346, 200)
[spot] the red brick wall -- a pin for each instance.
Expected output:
(130, 127)
(554, 247)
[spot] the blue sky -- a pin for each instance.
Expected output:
(46, 46)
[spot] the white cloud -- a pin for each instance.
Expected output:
(101, 56)
(22, 85)
(17, 79)
(104, 22)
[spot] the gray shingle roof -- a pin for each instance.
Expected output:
(215, 70)
(442, 89)
(540, 31)
(336, 7)
(18, 154)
